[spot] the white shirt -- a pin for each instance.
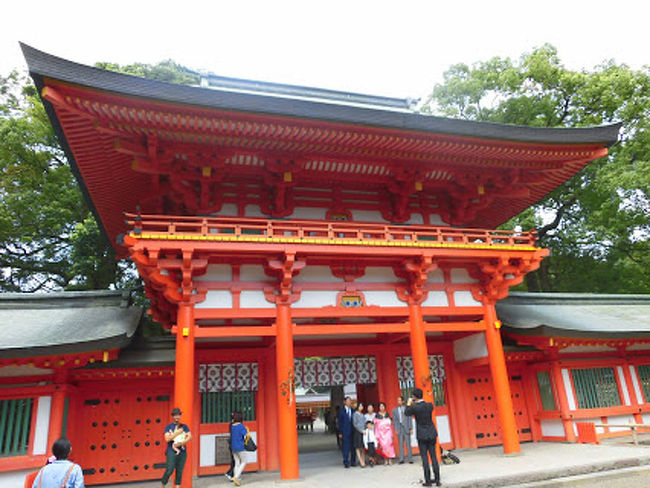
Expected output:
(369, 436)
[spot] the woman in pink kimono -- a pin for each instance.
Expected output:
(384, 434)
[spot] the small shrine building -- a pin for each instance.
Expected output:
(290, 236)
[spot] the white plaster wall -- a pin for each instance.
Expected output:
(254, 211)
(635, 382)
(367, 216)
(227, 210)
(216, 299)
(377, 274)
(309, 213)
(620, 419)
(22, 370)
(216, 272)
(254, 299)
(566, 379)
(385, 298)
(435, 219)
(470, 347)
(624, 387)
(646, 418)
(444, 432)
(15, 479)
(436, 299)
(321, 274)
(416, 219)
(316, 298)
(460, 275)
(438, 276)
(42, 425)
(207, 446)
(464, 298)
(552, 428)
(252, 272)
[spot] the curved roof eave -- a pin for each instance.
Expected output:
(43, 65)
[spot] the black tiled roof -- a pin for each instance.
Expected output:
(42, 65)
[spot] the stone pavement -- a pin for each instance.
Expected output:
(481, 468)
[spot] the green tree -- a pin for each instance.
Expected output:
(597, 225)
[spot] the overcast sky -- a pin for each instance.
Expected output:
(397, 48)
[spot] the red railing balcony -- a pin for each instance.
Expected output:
(321, 232)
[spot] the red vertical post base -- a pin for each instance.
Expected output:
(288, 431)
(184, 383)
(501, 383)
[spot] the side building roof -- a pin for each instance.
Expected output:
(65, 322)
(576, 315)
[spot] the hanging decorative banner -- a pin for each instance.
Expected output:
(335, 371)
(228, 377)
(405, 369)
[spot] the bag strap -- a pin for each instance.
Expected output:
(67, 476)
(40, 480)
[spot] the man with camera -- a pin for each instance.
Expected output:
(426, 434)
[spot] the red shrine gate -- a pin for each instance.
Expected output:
(274, 228)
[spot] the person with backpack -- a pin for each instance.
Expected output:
(60, 473)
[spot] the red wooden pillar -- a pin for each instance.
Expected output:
(269, 391)
(387, 380)
(57, 407)
(184, 384)
(500, 380)
(287, 426)
(565, 413)
(419, 352)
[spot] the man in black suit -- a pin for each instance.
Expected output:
(426, 434)
(345, 432)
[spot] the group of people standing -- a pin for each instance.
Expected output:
(367, 437)
(372, 433)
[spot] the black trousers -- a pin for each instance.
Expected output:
(428, 448)
(175, 462)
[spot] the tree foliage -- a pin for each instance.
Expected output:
(597, 225)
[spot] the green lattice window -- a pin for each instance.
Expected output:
(546, 391)
(596, 387)
(644, 377)
(15, 424)
(216, 407)
(438, 394)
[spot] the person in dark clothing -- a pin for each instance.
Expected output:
(177, 435)
(345, 432)
(426, 435)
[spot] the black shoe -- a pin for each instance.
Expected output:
(353, 465)
(427, 483)
(347, 465)
(410, 462)
(438, 483)
(401, 462)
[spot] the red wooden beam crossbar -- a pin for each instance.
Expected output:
(329, 329)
